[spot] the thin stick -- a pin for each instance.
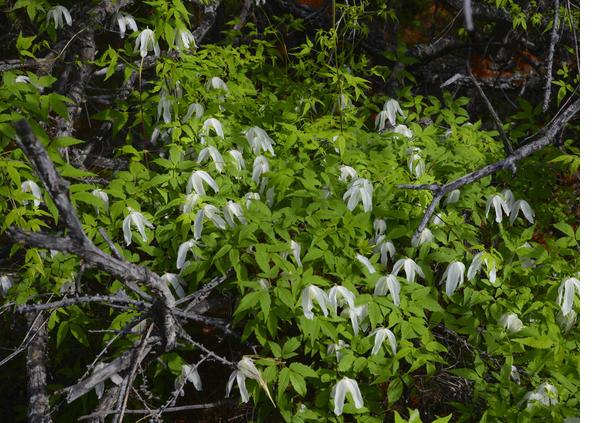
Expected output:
(550, 62)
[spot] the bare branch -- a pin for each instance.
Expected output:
(38, 410)
(166, 410)
(550, 62)
(468, 13)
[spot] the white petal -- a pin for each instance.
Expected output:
(475, 266)
(365, 261)
(127, 229)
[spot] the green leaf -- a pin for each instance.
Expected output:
(542, 342)
(303, 370)
(298, 383)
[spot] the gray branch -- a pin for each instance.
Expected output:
(38, 409)
(549, 64)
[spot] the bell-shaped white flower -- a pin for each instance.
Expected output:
(115, 378)
(102, 196)
(260, 166)
(125, 21)
(182, 251)
(194, 111)
(452, 197)
(238, 159)
(566, 294)
(146, 41)
(545, 394)
(500, 205)
(392, 107)
(213, 124)
(416, 164)
(514, 375)
(424, 237)
(388, 283)
(5, 284)
(347, 172)
(523, 206)
(339, 296)
(387, 251)
(214, 155)
(139, 221)
(357, 316)
(381, 119)
(360, 189)
(191, 200)
(259, 140)
(404, 131)
(57, 13)
(379, 226)
(216, 83)
(246, 369)
(212, 213)
(478, 260)
(22, 79)
(197, 180)
(454, 276)
(233, 210)
(184, 40)
(34, 189)
(365, 261)
(164, 108)
(508, 196)
(382, 334)
(337, 349)
(410, 269)
(296, 252)
(311, 293)
(339, 392)
(188, 373)
(174, 280)
(251, 196)
(510, 322)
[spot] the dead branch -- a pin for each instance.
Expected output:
(38, 408)
(166, 410)
(550, 62)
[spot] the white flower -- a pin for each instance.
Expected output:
(545, 394)
(182, 251)
(404, 131)
(392, 107)
(115, 378)
(347, 172)
(387, 251)
(499, 204)
(452, 197)
(566, 321)
(5, 284)
(214, 154)
(34, 189)
(22, 79)
(360, 189)
(188, 373)
(524, 206)
(381, 335)
(438, 219)
(416, 164)
(381, 119)
(379, 226)
(424, 237)
(98, 193)
(125, 21)
(191, 200)
(174, 280)
(139, 221)
(146, 41)
(246, 369)
(514, 374)
(251, 196)
(566, 294)
(341, 293)
(215, 125)
(337, 349)
(365, 261)
(509, 197)
(296, 252)
(212, 213)
(184, 39)
(357, 315)
(475, 267)
(310, 293)
(510, 322)
(216, 83)
(410, 268)
(196, 182)
(233, 210)
(454, 276)
(238, 159)
(388, 283)
(260, 166)
(259, 140)
(56, 14)
(339, 394)
(164, 108)
(195, 111)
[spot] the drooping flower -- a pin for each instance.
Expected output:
(311, 293)
(184, 39)
(115, 378)
(215, 156)
(216, 83)
(194, 111)
(125, 21)
(188, 373)
(475, 267)
(337, 349)
(238, 159)
(388, 283)
(191, 200)
(5, 284)
(296, 252)
(452, 197)
(139, 221)
(339, 394)
(500, 205)
(339, 296)
(566, 294)
(510, 322)
(357, 315)
(34, 189)
(360, 189)
(212, 213)
(416, 164)
(259, 140)
(509, 197)
(259, 167)
(381, 119)
(347, 172)
(365, 261)
(215, 125)
(410, 268)
(182, 251)
(392, 107)
(514, 375)
(379, 226)
(454, 276)
(251, 196)
(57, 13)
(197, 180)
(521, 205)
(233, 210)
(382, 334)
(246, 369)
(102, 196)
(404, 131)
(174, 280)
(146, 41)
(545, 394)
(387, 251)
(22, 79)
(164, 107)
(424, 237)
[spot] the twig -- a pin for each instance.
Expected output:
(110, 299)
(468, 12)
(550, 62)
(38, 410)
(166, 410)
